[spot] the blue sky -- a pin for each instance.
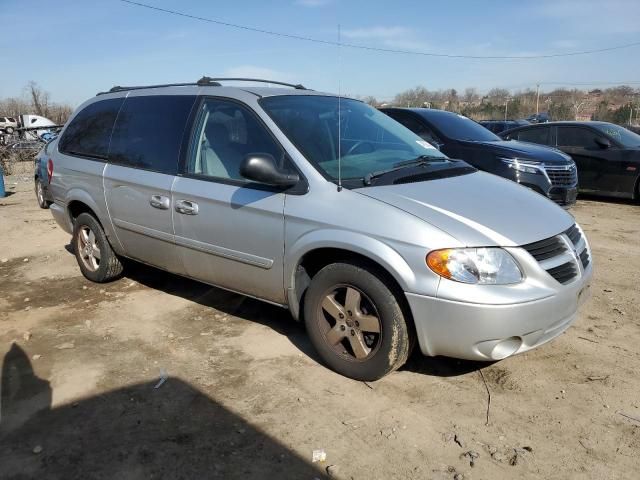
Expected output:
(75, 48)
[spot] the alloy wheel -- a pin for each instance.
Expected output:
(350, 322)
(88, 249)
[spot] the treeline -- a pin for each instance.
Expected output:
(36, 101)
(612, 104)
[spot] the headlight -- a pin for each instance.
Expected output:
(486, 266)
(525, 166)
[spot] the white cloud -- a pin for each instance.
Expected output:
(377, 32)
(254, 71)
(312, 3)
(395, 37)
(591, 16)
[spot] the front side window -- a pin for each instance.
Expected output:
(415, 125)
(227, 132)
(459, 127)
(576, 137)
(368, 141)
(89, 132)
(623, 136)
(149, 130)
(535, 135)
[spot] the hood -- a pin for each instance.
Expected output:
(524, 150)
(478, 209)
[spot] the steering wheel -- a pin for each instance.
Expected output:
(359, 144)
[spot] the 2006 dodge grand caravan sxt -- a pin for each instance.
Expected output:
(239, 187)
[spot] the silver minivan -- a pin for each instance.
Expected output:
(322, 205)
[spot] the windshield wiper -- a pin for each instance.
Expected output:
(415, 162)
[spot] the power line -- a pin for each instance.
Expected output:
(375, 49)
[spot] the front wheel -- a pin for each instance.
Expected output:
(355, 322)
(97, 260)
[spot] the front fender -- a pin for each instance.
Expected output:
(366, 246)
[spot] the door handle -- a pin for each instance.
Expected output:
(160, 202)
(187, 207)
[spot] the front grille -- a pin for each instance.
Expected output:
(553, 247)
(584, 258)
(544, 249)
(562, 176)
(574, 235)
(564, 273)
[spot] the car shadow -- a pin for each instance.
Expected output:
(592, 197)
(276, 318)
(174, 431)
(441, 366)
(235, 304)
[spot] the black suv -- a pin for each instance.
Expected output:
(497, 126)
(607, 155)
(545, 170)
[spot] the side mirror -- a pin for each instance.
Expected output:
(262, 168)
(603, 142)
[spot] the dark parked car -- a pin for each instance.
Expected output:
(633, 128)
(41, 176)
(497, 126)
(545, 170)
(542, 117)
(607, 155)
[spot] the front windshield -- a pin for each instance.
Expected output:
(370, 141)
(620, 134)
(459, 127)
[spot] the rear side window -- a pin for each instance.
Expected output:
(89, 132)
(149, 130)
(535, 135)
(576, 137)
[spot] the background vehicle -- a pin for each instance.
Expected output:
(255, 190)
(541, 117)
(633, 128)
(41, 177)
(547, 171)
(26, 145)
(8, 125)
(497, 126)
(607, 155)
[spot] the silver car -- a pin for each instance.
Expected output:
(324, 206)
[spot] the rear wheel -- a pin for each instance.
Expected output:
(355, 322)
(9, 130)
(97, 260)
(42, 202)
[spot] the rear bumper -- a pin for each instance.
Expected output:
(491, 332)
(61, 217)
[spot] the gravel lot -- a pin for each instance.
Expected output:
(245, 396)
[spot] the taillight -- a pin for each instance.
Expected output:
(49, 170)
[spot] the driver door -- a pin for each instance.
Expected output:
(229, 231)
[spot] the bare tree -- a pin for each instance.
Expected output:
(39, 99)
(470, 95)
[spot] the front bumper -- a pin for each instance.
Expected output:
(477, 331)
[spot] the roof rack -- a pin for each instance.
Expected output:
(204, 82)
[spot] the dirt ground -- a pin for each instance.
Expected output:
(247, 398)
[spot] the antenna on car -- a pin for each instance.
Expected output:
(339, 117)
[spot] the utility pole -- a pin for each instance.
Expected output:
(630, 113)
(537, 98)
(506, 106)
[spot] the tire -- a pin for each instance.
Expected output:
(89, 239)
(42, 202)
(350, 345)
(9, 130)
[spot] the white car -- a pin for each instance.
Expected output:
(8, 124)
